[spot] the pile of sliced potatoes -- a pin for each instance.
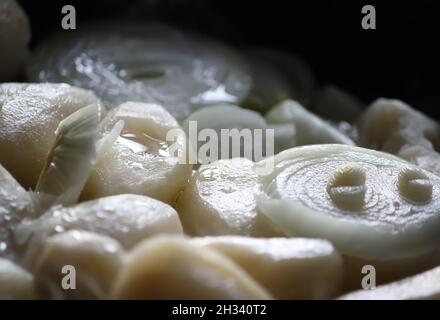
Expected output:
(96, 204)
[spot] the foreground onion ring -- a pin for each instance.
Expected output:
(369, 204)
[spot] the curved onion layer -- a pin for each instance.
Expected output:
(126, 218)
(393, 126)
(143, 160)
(173, 268)
(15, 205)
(219, 200)
(369, 204)
(293, 268)
(310, 129)
(29, 116)
(153, 63)
(251, 140)
(96, 259)
(15, 34)
(422, 286)
(70, 161)
(15, 282)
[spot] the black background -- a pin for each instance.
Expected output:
(400, 59)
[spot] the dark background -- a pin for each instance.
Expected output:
(400, 59)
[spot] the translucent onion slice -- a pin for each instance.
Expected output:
(126, 61)
(126, 218)
(310, 129)
(15, 34)
(422, 286)
(29, 115)
(15, 282)
(393, 126)
(93, 261)
(369, 204)
(70, 161)
(173, 268)
(15, 205)
(293, 268)
(226, 118)
(219, 200)
(143, 159)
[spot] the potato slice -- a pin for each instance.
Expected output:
(173, 268)
(422, 286)
(29, 116)
(15, 282)
(393, 126)
(310, 129)
(372, 206)
(15, 205)
(15, 34)
(77, 265)
(219, 200)
(294, 268)
(140, 161)
(126, 218)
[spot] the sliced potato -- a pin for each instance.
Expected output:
(77, 265)
(294, 268)
(126, 218)
(15, 205)
(141, 160)
(29, 116)
(15, 282)
(422, 286)
(372, 206)
(173, 268)
(393, 126)
(310, 129)
(15, 34)
(219, 200)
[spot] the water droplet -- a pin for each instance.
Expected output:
(59, 228)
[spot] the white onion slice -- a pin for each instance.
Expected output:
(15, 205)
(310, 129)
(393, 126)
(29, 115)
(126, 218)
(96, 259)
(70, 161)
(123, 61)
(172, 268)
(293, 268)
(355, 198)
